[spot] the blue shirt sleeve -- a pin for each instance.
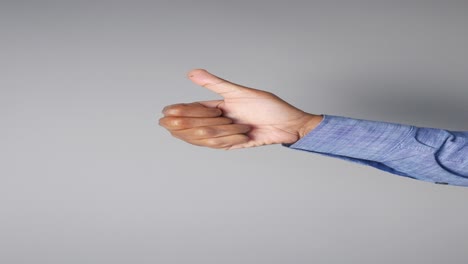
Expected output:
(428, 154)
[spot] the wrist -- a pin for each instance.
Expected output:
(310, 123)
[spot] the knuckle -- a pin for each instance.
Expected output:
(213, 142)
(174, 110)
(178, 122)
(211, 84)
(173, 122)
(204, 132)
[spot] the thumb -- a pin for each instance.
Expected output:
(214, 83)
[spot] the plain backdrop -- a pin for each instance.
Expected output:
(88, 176)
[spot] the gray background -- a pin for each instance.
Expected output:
(87, 175)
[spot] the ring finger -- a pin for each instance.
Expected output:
(206, 132)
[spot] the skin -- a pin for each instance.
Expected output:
(244, 118)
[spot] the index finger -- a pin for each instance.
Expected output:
(191, 110)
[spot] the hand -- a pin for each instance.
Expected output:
(246, 117)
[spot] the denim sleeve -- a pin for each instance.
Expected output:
(427, 154)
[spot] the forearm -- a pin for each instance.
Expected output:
(427, 154)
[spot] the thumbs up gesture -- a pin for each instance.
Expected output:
(246, 117)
